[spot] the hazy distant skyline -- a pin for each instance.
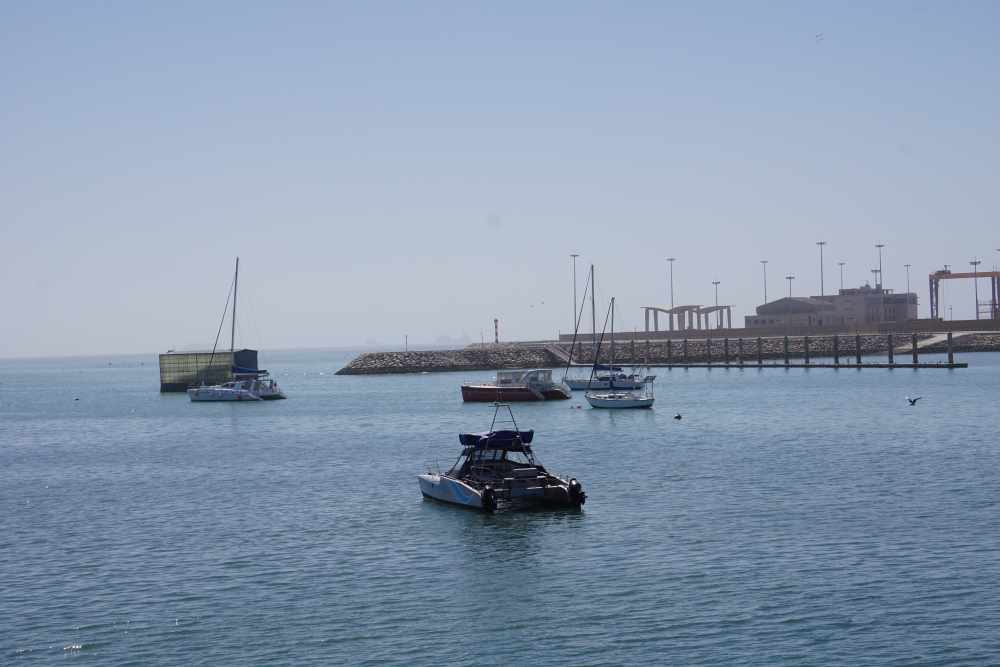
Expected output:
(388, 169)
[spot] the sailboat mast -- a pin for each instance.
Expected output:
(593, 312)
(612, 341)
(232, 330)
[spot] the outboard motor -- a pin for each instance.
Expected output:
(489, 499)
(576, 495)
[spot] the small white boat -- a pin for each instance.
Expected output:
(617, 400)
(240, 390)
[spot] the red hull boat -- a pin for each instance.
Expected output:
(516, 386)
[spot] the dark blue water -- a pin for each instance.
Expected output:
(792, 517)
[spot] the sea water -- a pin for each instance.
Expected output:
(790, 517)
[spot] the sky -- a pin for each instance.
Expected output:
(417, 169)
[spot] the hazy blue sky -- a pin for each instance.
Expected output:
(386, 169)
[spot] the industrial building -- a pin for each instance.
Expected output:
(850, 308)
(180, 370)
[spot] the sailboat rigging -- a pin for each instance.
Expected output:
(248, 384)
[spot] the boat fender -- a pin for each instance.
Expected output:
(576, 495)
(489, 499)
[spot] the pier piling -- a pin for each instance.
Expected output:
(913, 347)
(739, 349)
(708, 350)
(805, 349)
(857, 348)
(685, 350)
(725, 350)
(951, 350)
(786, 350)
(891, 351)
(760, 352)
(669, 351)
(836, 350)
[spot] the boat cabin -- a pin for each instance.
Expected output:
(522, 377)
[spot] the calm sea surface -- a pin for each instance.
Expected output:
(791, 517)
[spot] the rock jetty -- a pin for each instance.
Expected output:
(661, 352)
(478, 358)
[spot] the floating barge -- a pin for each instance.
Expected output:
(180, 370)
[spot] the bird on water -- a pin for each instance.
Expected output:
(913, 401)
(677, 416)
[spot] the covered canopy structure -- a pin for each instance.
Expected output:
(688, 317)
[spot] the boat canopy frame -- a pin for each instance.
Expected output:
(482, 447)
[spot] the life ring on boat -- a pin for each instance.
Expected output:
(489, 499)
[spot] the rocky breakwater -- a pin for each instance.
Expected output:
(973, 342)
(473, 358)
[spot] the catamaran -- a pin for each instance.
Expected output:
(498, 470)
(247, 384)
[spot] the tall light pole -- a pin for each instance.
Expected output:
(841, 265)
(718, 315)
(821, 244)
(789, 278)
(671, 260)
(880, 279)
(574, 256)
(975, 281)
(907, 278)
(763, 263)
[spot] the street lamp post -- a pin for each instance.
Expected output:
(718, 314)
(975, 281)
(763, 263)
(574, 256)
(671, 260)
(841, 265)
(821, 244)
(880, 278)
(907, 278)
(789, 278)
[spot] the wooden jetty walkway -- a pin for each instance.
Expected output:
(756, 358)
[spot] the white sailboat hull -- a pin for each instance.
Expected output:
(449, 490)
(619, 401)
(217, 394)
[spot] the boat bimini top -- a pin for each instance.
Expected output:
(513, 441)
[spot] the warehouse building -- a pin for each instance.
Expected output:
(850, 308)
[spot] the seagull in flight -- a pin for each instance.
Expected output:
(913, 401)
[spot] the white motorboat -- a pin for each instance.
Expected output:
(498, 470)
(238, 390)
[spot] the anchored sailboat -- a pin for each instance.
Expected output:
(247, 384)
(617, 398)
